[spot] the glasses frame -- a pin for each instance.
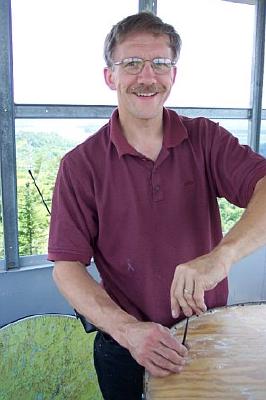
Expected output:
(167, 61)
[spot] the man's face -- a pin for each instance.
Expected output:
(143, 95)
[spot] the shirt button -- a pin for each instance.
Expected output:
(157, 188)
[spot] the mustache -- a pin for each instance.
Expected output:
(143, 89)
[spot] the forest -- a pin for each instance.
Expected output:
(41, 153)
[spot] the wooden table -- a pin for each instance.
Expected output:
(227, 357)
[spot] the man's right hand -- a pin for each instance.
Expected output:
(151, 344)
(155, 348)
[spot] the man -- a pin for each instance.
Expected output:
(140, 197)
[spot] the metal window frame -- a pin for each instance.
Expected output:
(7, 132)
(10, 111)
(257, 75)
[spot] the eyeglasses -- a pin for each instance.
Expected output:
(134, 65)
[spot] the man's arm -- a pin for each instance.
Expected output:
(150, 344)
(203, 273)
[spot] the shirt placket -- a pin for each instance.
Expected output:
(156, 183)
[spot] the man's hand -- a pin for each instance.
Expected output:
(203, 273)
(192, 279)
(153, 346)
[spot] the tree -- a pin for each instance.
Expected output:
(230, 214)
(41, 153)
(33, 222)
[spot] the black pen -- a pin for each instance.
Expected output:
(185, 333)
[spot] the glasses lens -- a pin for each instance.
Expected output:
(161, 65)
(132, 65)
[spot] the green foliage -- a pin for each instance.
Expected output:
(41, 153)
(33, 221)
(47, 357)
(230, 214)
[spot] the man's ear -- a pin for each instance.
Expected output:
(109, 78)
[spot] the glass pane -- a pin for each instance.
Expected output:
(238, 127)
(264, 82)
(58, 49)
(214, 69)
(230, 214)
(263, 138)
(40, 144)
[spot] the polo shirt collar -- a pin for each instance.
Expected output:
(174, 132)
(174, 129)
(117, 137)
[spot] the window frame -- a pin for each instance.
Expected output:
(9, 111)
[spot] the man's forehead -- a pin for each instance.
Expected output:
(136, 37)
(142, 40)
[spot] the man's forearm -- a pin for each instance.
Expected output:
(205, 272)
(150, 344)
(90, 299)
(249, 233)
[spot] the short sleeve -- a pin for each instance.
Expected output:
(73, 226)
(235, 168)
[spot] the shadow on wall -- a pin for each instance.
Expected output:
(32, 291)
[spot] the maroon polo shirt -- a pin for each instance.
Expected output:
(139, 219)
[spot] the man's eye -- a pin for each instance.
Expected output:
(161, 63)
(132, 64)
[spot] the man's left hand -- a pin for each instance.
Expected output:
(191, 280)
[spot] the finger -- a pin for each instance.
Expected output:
(173, 344)
(175, 308)
(187, 310)
(156, 371)
(199, 298)
(192, 302)
(171, 355)
(182, 297)
(188, 293)
(165, 364)
(188, 288)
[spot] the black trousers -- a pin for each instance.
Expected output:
(120, 377)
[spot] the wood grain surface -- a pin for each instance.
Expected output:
(227, 357)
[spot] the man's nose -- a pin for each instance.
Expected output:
(147, 73)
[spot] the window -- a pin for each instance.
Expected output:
(214, 69)
(263, 138)
(58, 49)
(40, 144)
(58, 62)
(238, 127)
(264, 81)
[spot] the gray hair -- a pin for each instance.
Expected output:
(141, 22)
